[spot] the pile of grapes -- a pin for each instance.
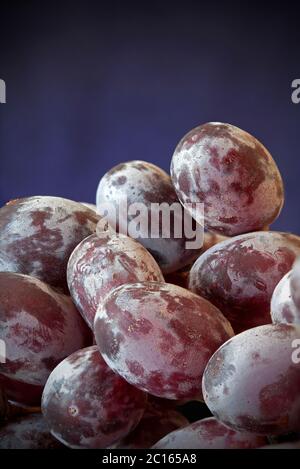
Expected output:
(106, 339)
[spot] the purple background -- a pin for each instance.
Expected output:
(92, 84)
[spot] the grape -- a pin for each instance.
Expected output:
(29, 432)
(157, 421)
(239, 275)
(209, 434)
(232, 173)
(38, 235)
(99, 264)
(283, 308)
(86, 405)
(252, 382)
(40, 327)
(295, 283)
(159, 337)
(143, 183)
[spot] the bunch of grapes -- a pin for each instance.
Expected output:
(106, 337)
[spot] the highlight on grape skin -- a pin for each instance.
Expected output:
(295, 283)
(283, 308)
(159, 337)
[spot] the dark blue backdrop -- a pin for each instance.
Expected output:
(91, 84)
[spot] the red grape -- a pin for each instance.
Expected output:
(252, 382)
(40, 327)
(239, 275)
(144, 183)
(209, 434)
(159, 337)
(99, 264)
(232, 173)
(86, 405)
(38, 235)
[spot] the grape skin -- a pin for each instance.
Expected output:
(29, 432)
(283, 309)
(100, 264)
(88, 406)
(252, 383)
(295, 283)
(240, 274)
(39, 233)
(232, 173)
(209, 433)
(40, 327)
(159, 337)
(142, 182)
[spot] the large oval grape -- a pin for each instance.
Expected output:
(159, 337)
(232, 174)
(39, 327)
(99, 264)
(209, 433)
(252, 382)
(86, 405)
(139, 182)
(39, 233)
(239, 275)
(283, 308)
